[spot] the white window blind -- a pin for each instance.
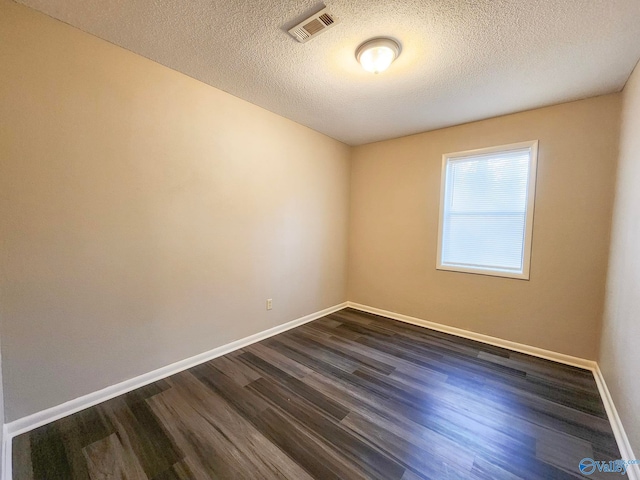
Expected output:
(487, 210)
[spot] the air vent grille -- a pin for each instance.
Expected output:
(300, 34)
(326, 19)
(313, 26)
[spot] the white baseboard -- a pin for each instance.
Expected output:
(43, 417)
(498, 342)
(626, 452)
(7, 473)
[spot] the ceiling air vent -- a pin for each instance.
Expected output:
(313, 26)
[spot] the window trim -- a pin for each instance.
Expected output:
(532, 145)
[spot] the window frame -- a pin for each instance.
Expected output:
(532, 145)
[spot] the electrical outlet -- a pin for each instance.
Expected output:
(269, 304)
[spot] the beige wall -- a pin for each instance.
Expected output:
(395, 194)
(620, 348)
(146, 217)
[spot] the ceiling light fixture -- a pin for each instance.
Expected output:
(377, 54)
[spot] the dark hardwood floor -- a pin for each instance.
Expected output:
(349, 396)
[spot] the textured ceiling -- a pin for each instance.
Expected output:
(462, 60)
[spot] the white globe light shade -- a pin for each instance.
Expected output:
(377, 54)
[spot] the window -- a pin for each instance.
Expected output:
(486, 210)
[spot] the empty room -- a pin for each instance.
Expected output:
(358, 239)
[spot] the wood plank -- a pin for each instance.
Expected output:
(140, 430)
(21, 457)
(231, 367)
(277, 359)
(215, 438)
(297, 387)
(107, 459)
(48, 454)
(372, 460)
